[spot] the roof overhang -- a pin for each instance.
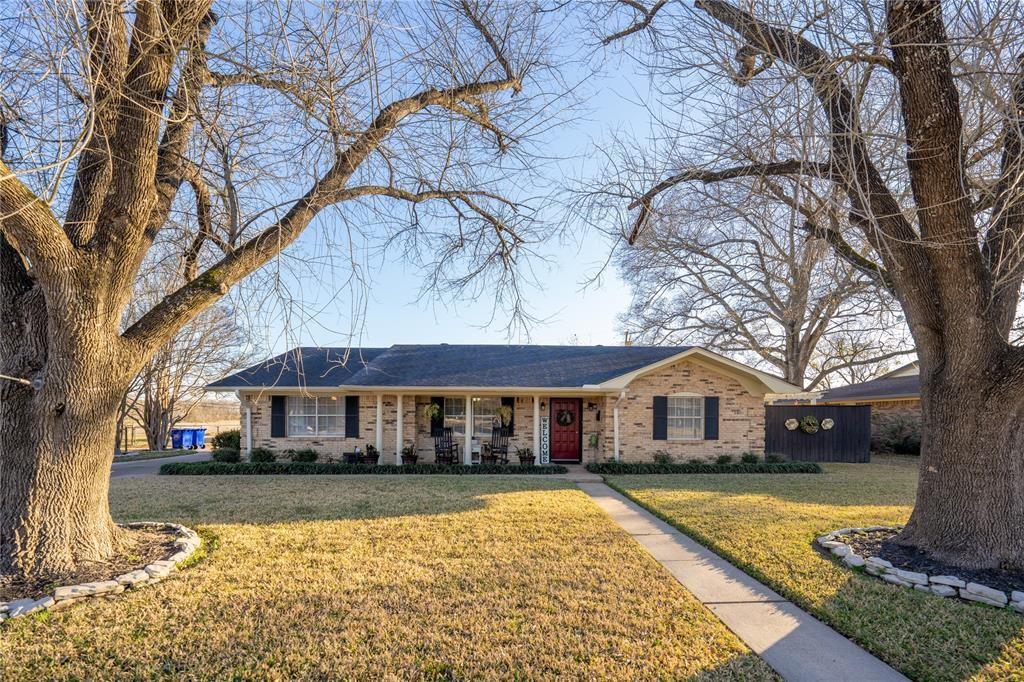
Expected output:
(754, 380)
(870, 399)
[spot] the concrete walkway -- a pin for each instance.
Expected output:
(794, 643)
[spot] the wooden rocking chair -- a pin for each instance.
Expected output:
(446, 451)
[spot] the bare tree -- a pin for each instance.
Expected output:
(272, 116)
(731, 269)
(171, 383)
(943, 213)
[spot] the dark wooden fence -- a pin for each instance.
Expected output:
(849, 439)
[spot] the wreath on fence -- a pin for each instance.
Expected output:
(809, 424)
(564, 418)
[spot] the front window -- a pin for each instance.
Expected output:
(320, 416)
(483, 415)
(455, 415)
(685, 418)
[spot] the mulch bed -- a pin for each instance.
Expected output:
(881, 544)
(143, 547)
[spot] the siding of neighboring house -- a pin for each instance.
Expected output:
(741, 414)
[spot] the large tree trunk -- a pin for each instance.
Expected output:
(56, 471)
(970, 495)
(57, 443)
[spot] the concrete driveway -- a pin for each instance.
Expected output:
(150, 467)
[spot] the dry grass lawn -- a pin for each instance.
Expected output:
(766, 524)
(385, 578)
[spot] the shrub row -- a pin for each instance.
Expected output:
(304, 468)
(612, 468)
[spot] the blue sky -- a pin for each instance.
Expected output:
(569, 307)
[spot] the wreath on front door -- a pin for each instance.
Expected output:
(564, 418)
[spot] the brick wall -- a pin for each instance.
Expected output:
(741, 421)
(740, 414)
(327, 446)
(885, 413)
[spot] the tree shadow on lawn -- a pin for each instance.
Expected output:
(834, 488)
(925, 636)
(758, 530)
(281, 499)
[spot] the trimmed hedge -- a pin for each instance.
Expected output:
(228, 440)
(226, 455)
(613, 468)
(306, 468)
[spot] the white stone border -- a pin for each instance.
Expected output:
(942, 585)
(185, 545)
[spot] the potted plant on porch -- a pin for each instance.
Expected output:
(409, 455)
(525, 455)
(372, 454)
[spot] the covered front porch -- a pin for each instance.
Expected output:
(553, 427)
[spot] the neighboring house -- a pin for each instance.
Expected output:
(571, 403)
(895, 396)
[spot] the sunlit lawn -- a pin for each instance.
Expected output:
(385, 578)
(766, 524)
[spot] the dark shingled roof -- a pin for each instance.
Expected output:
(484, 365)
(884, 388)
(305, 367)
(451, 365)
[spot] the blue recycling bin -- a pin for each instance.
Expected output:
(186, 438)
(199, 439)
(176, 438)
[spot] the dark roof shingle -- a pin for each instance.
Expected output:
(877, 389)
(449, 365)
(303, 367)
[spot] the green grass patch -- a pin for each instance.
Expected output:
(766, 526)
(334, 469)
(374, 577)
(635, 468)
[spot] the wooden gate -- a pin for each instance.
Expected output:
(849, 439)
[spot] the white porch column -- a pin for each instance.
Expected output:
(467, 455)
(399, 430)
(536, 430)
(380, 423)
(615, 430)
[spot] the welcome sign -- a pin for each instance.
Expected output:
(545, 440)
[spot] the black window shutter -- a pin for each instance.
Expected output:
(660, 417)
(437, 423)
(278, 417)
(351, 416)
(711, 417)
(511, 404)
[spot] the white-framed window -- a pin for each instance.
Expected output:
(455, 415)
(484, 409)
(319, 416)
(685, 417)
(483, 416)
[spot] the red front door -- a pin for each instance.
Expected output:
(566, 429)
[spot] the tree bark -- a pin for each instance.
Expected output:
(970, 495)
(57, 449)
(57, 435)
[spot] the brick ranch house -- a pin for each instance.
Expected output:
(893, 397)
(569, 403)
